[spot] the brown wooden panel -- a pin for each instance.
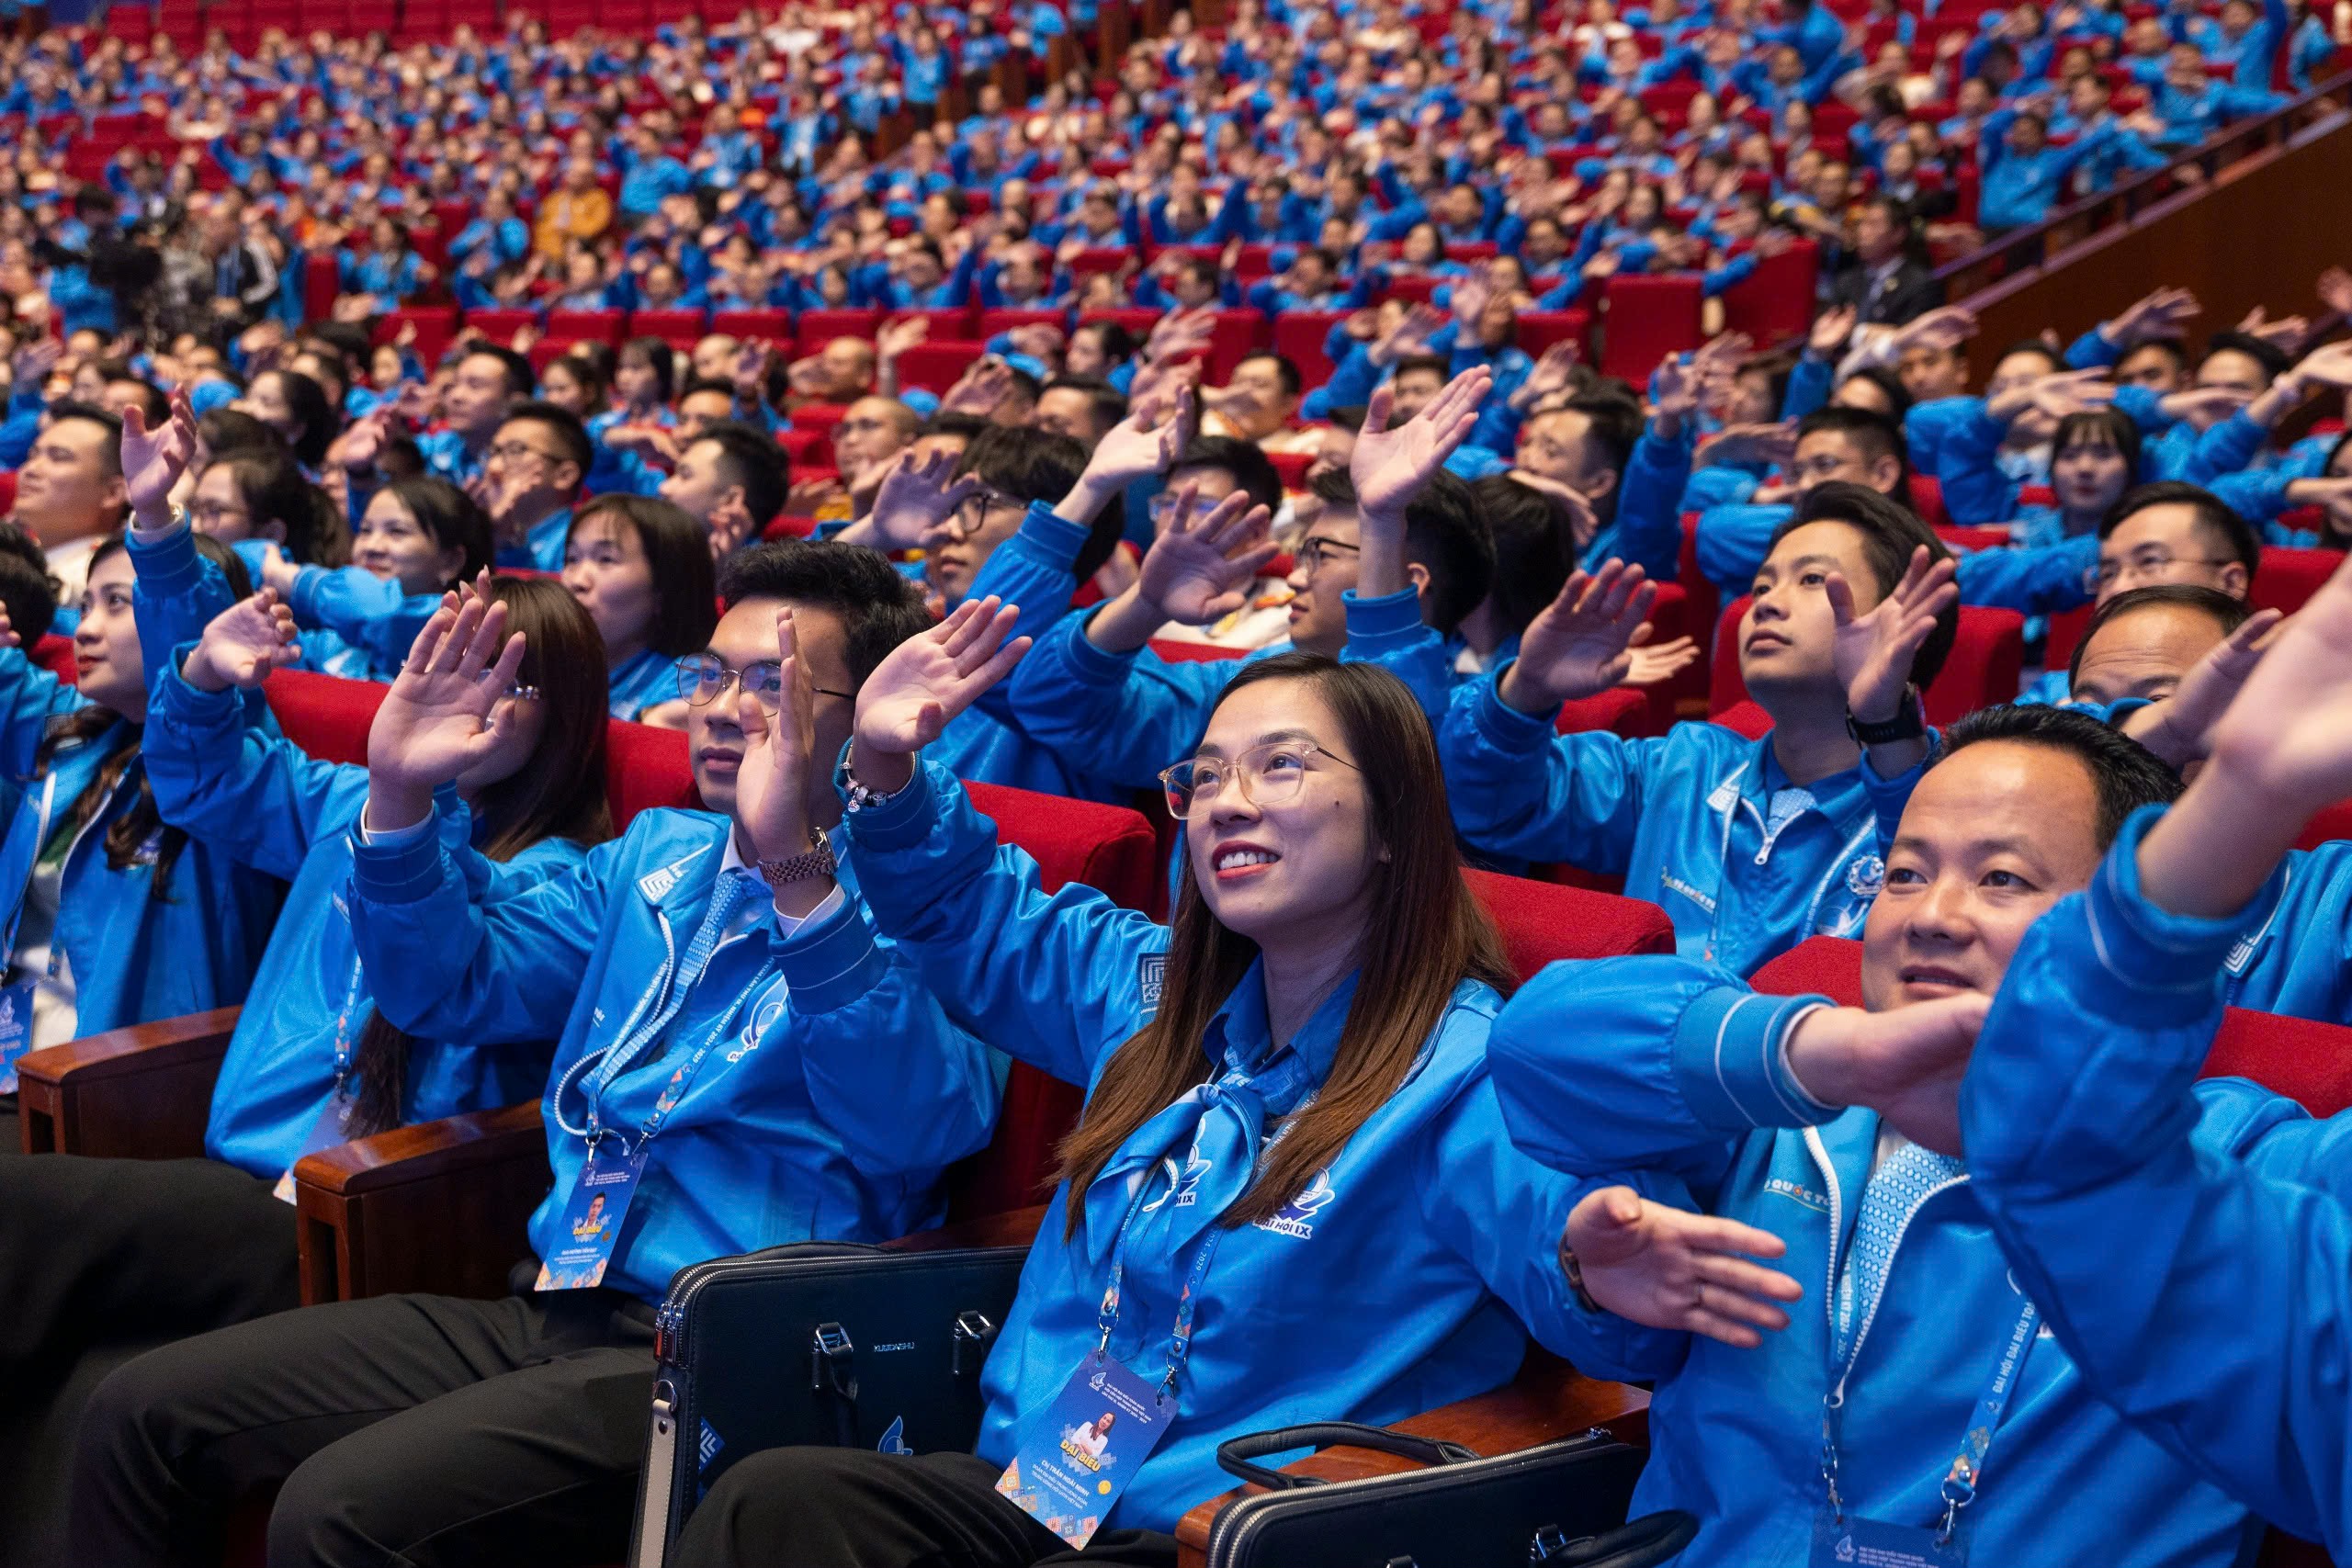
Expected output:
(437, 1207)
(143, 1092)
(2258, 233)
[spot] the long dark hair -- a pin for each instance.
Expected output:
(274, 491)
(1425, 935)
(557, 794)
(131, 833)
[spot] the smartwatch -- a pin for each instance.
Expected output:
(1909, 723)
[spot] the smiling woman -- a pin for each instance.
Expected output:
(1271, 1082)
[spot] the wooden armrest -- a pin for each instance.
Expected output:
(1549, 1400)
(140, 1092)
(1013, 1227)
(440, 1207)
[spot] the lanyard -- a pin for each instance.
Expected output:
(41, 838)
(343, 1030)
(1180, 1338)
(1967, 1471)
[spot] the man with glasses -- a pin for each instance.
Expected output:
(531, 475)
(740, 1062)
(1835, 443)
(474, 403)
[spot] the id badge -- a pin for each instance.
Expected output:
(15, 1030)
(1857, 1542)
(591, 1226)
(326, 1134)
(1075, 1460)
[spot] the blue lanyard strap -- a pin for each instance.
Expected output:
(343, 1030)
(1180, 1337)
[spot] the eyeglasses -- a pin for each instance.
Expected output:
(515, 451)
(703, 679)
(207, 513)
(1317, 549)
(1268, 774)
(2145, 561)
(971, 513)
(1163, 506)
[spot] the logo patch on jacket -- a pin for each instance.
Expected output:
(1866, 877)
(1779, 1186)
(1298, 1217)
(764, 1017)
(1151, 977)
(656, 885)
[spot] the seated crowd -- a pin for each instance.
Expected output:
(1439, 604)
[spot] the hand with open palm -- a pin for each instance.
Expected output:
(242, 644)
(1200, 567)
(1579, 645)
(1873, 653)
(926, 681)
(154, 460)
(1666, 1268)
(447, 709)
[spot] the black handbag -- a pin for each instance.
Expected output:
(1562, 1503)
(818, 1343)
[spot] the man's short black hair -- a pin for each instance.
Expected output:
(2224, 611)
(110, 450)
(1251, 469)
(1286, 370)
(2033, 345)
(1435, 363)
(1024, 464)
(948, 422)
(697, 385)
(2125, 775)
(151, 399)
(521, 379)
(2223, 529)
(1890, 386)
(2171, 348)
(1446, 533)
(1872, 434)
(1535, 549)
(878, 608)
(565, 426)
(2275, 361)
(1106, 404)
(26, 590)
(1616, 421)
(747, 456)
(1890, 533)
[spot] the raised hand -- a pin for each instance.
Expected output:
(1654, 1264)
(1138, 446)
(447, 709)
(897, 337)
(928, 680)
(1200, 567)
(2335, 290)
(1947, 326)
(1767, 446)
(2165, 314)
(1180, 332)
(153, 460)
(1409, 336)
(979, 389)
(1873, 653)
(2288, 735)
(2176, 727)
(242, 644)
(1391, 467)
(1904, 1062)
(916, 498)
(1830, 330)
(2287, 333)
(731, 526)
(1654, 664)
(357, 447)
(771, 789)
(1579, 645)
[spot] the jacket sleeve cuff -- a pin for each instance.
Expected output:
(1054, 539)
(831, 959)
(1502, 726)
(1730, 1065)
(165, 561)
(397, 868)
(1389, 621)
(177, 703)
(304, 599)
(2149, 958)
(1092, 666)
(899, 821)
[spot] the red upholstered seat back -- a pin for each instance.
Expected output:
(1110, 849)
(1543, 922)
(1982, 671)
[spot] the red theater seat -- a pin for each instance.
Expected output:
(680, 329)
(818, 328)
(1648, 318)
(1775, 300)
(1543, 922)
(945, 325)
(500, 326)
(776, 326)
(585, 326)
(1298, 336)
(936, 366)
(1982, 671)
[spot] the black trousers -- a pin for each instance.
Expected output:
(412, 1430)
(851, 1509)
(100, 1259)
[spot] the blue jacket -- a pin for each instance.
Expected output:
(1399, 1280)
(1661, 1064)
(847, 1093)
(2044, 580)
(1122, 717)
(258, 800)
(1674, 816)
(2292, 956)
(541, 550)
(135, 956)
(649, 678)
(2187, 1241)
(373, 620)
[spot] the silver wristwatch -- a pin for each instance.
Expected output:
(817, 861)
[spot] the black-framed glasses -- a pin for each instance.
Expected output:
(1317, 549)
(1268, 775)
(971, 513)
(703, 679)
